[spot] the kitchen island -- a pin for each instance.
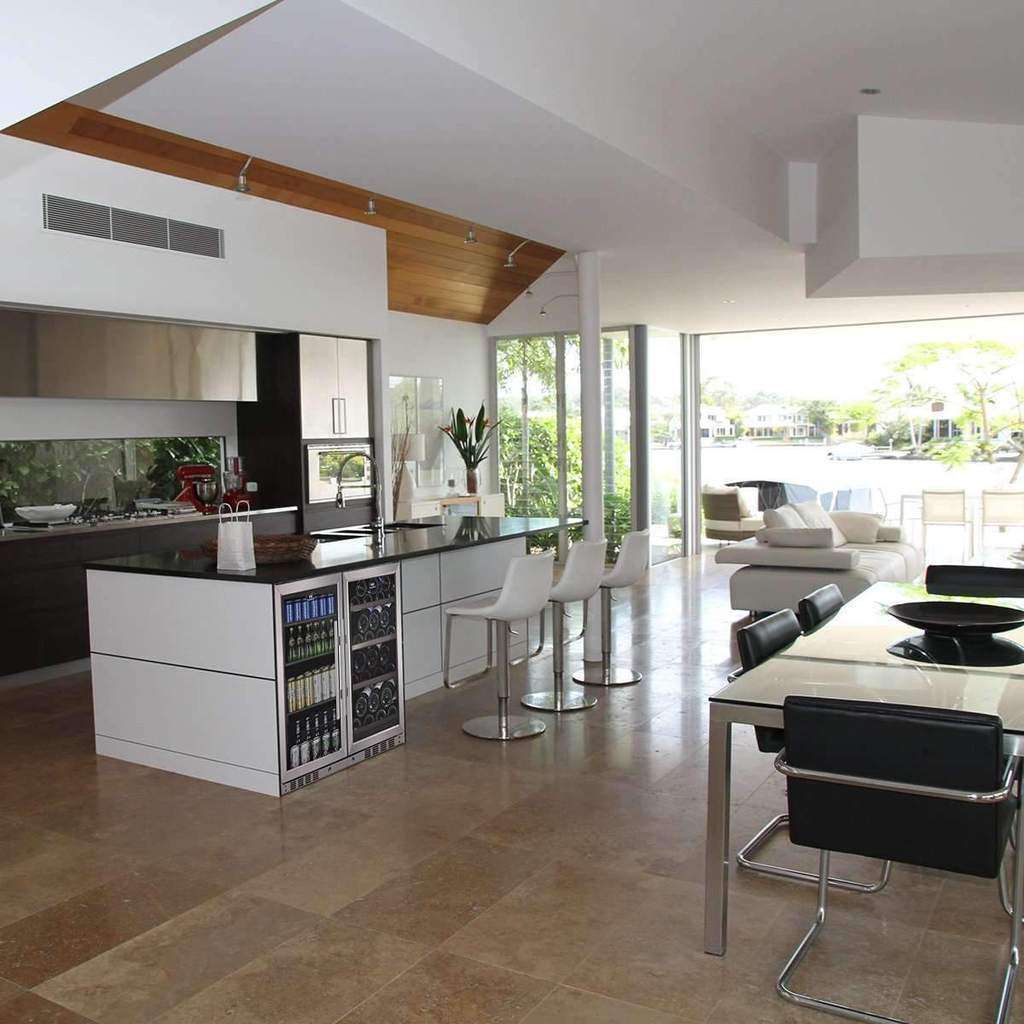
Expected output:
(273, 678)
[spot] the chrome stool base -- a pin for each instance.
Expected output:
(744, 859)
(552, 700)
(606, 674)
(602, 675)
(512, 727)
(558, 699)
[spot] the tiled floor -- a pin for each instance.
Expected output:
(552, 881)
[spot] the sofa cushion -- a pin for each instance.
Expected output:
(750, 552)
(783, 518)
(804, 537)
(890, 533)
(857, 527)
(745, 525)
(908, 559)
(813, 514)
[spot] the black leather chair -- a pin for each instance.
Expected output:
(757, 643)
(915, 785)
(819, 606)
(974, 581)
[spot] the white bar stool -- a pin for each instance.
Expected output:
(580, 581)
(629, 568)
(523, 594)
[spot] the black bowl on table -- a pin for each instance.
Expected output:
(959, 633)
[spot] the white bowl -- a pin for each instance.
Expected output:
(45, 513)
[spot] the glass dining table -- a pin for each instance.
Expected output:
(846, 659)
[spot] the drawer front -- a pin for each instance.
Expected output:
(421, 643)
(215, 625)
(225, 718)
(477, 570)
(421, 582)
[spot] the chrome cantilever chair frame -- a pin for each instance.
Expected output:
(1005, 792)
(745, 856)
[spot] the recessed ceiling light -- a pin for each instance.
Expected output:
(870, 91)
(728, 302)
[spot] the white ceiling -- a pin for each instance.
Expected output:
(656, 132)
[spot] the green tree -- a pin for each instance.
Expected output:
(907, 387)
(821, 414)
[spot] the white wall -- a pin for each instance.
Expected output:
(423, 346)
(285, 268)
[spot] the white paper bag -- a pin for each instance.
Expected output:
(234, 540)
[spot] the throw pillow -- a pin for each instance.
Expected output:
(813, 514)
(857, 527)
(802, 537)
(785, 518)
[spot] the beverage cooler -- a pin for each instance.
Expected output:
(340, 689)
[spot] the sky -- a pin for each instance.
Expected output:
(839, 363)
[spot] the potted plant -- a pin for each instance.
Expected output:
(471, 436)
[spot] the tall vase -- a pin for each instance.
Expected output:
(470, 481)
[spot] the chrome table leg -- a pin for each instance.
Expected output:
(716, 864)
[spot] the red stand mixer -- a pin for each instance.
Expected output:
(198, 482)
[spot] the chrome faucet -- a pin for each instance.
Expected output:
(341, 499)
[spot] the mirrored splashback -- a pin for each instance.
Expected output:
(98, 474)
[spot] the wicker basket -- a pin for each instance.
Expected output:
(275, 548)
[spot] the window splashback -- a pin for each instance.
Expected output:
(98, 474)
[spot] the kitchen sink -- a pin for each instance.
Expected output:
(365, 530)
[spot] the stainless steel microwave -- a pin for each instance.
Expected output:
(323, 463)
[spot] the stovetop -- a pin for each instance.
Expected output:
(97, 518)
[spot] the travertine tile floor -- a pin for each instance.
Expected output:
(551, 881)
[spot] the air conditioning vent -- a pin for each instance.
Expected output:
(81, 218)
(76, 217)
(196, 238)
(138, 228)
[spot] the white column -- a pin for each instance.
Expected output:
(588, 272)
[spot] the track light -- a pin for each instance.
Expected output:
(470, 238)
(566, 295)
(242, 184)
(510, 260)
(371, 207)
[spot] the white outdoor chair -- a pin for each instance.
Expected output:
(1001, 508)
(945, 508)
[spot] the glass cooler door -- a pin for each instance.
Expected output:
(312, 731)
(373, 619)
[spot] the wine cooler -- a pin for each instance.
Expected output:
(340, 696)
(375, 711)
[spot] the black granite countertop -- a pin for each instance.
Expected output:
(448, 533)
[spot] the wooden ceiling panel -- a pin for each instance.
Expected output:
(431, 269)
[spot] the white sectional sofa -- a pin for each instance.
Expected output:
(783, 562)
